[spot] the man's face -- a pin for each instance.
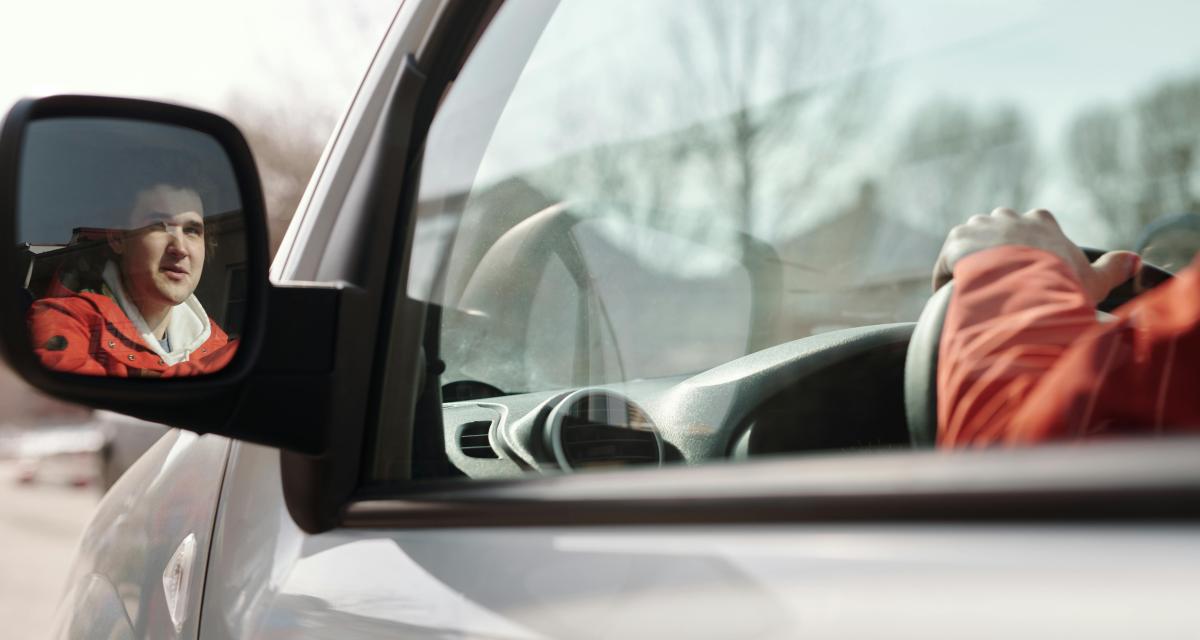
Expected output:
(162, 258)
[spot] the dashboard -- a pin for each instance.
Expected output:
(840, 390)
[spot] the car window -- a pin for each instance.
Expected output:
(647, 208)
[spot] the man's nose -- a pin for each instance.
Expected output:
(175, 244)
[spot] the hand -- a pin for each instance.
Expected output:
(1037, 229)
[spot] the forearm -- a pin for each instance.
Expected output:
(1014, 313)
(1023, 359)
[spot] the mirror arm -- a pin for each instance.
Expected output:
(287, 399)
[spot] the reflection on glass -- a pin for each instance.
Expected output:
(127, 227)
(843, 138)
(1171, 242)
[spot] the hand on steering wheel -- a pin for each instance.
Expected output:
(1106, 279)
(1037, 229)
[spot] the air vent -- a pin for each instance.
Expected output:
(586, 444)
(473, 440)
(594, 428)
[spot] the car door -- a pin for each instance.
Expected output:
(640, 371)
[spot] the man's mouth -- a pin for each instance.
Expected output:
(174, 272)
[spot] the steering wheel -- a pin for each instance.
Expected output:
(920, 364)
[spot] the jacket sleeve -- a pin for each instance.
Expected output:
(61, 339)
(1023, 358)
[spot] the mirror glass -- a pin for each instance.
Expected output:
(131, 241)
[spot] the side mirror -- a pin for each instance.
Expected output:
(134, 262)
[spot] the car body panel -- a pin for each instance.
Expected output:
(268, 579)
(115, 587)
(95, 611)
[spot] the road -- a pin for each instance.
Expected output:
(39, 527)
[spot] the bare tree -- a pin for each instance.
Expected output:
(288, 125)
(788, 79)
(1168, 141)
(954, 161)
(286, 141)
(756, 103)
(1104, 163)
(1138, 164)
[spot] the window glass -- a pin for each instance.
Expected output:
(660, 200)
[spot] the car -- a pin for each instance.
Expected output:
(604, 320)
(67, 454)
(95, 452)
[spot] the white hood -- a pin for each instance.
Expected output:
(187, 324)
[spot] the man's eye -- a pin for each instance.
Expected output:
(194, 230)
(157, 226)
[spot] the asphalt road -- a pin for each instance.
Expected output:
(40, 525)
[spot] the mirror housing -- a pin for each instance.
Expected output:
(230, 401)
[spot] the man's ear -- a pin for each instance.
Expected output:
(116, 241)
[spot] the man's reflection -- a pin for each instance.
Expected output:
(139, 316)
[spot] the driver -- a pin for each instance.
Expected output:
(141, 319)
(1023, 358)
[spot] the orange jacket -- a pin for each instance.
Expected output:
(88, 333)
(1023, 358)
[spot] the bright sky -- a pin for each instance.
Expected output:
(310, 54)
(270, 52)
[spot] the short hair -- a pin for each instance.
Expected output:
(172, 169)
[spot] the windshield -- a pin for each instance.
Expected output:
(657, 188)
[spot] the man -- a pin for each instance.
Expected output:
(1024, 358)
(142, 319)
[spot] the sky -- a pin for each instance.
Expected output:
(199, 53)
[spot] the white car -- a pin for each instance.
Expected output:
(60, 454)
(593, 323)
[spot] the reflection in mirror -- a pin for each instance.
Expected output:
(132, 237)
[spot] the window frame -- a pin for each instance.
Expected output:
(1126, 481)
(1121, 481)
